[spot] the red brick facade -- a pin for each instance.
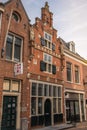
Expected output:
(39, 95)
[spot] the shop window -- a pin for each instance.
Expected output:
(68, 71)
(59, 105)
(50, 90)
(34, 89)
(14, 48)
(39, 105)
(54, 105)
(33, 106)
(40, 89)
(77, 74)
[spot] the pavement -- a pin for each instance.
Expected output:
(57, 127)
(65, 126)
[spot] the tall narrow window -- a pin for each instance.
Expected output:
(68, 69)
(14, 48)
(9, 47)
(76, 74)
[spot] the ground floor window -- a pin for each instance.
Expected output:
(75, 110)
(43, 94)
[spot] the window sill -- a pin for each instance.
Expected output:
(12, 61)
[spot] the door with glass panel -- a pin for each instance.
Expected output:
(9, 113)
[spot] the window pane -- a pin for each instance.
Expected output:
(39, 105)
(17, 49)
(40, 89)
(54, 105)
(76, 74)
(9, 47)
(59, 91)
(49, 68)
(59, 105)
(50, 90)
(15, 86)
(34, 90)
(6, 85)
(54, 91)
(45, 90)
(33, 106)
(68, 72)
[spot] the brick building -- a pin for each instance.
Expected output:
(14, 49)
(85, 82)
(35, 89)
(74, 100)
(45, 72)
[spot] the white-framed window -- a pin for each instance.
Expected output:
(39, 91)
(14, 48)
(77, 74)
(69, 71)
(48, 40)
(48, 60)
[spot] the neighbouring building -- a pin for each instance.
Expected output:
(45, 68)
(74, 90)
(85, 82)
(14, 55)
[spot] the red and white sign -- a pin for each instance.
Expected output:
(18, 68)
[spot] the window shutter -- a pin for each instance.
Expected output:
(42, 66)
(53, 47)
(53, 69)
(42, 41)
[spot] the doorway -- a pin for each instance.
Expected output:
(47, 112)
(72, 111)
(9, 113)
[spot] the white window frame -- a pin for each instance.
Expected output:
(46, 96)
(47, 61)
(13, 45)
(48, 40)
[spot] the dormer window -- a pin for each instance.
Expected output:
(72, 46)
(16, 16)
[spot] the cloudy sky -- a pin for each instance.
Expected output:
(70, 19)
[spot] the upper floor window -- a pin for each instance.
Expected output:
(46, 64)
(47, 41)
(48, 61)
(16, 16)
(68, 71)
(14, 48)
(76, 74)
(72, 46)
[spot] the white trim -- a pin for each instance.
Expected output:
(36, 81)
(75, 59)
(75, 91)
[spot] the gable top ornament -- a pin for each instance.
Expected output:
(46, 6)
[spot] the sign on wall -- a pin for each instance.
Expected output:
(18, 68)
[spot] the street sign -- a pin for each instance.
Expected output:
(18, 68)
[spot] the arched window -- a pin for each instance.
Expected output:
(16, 16)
